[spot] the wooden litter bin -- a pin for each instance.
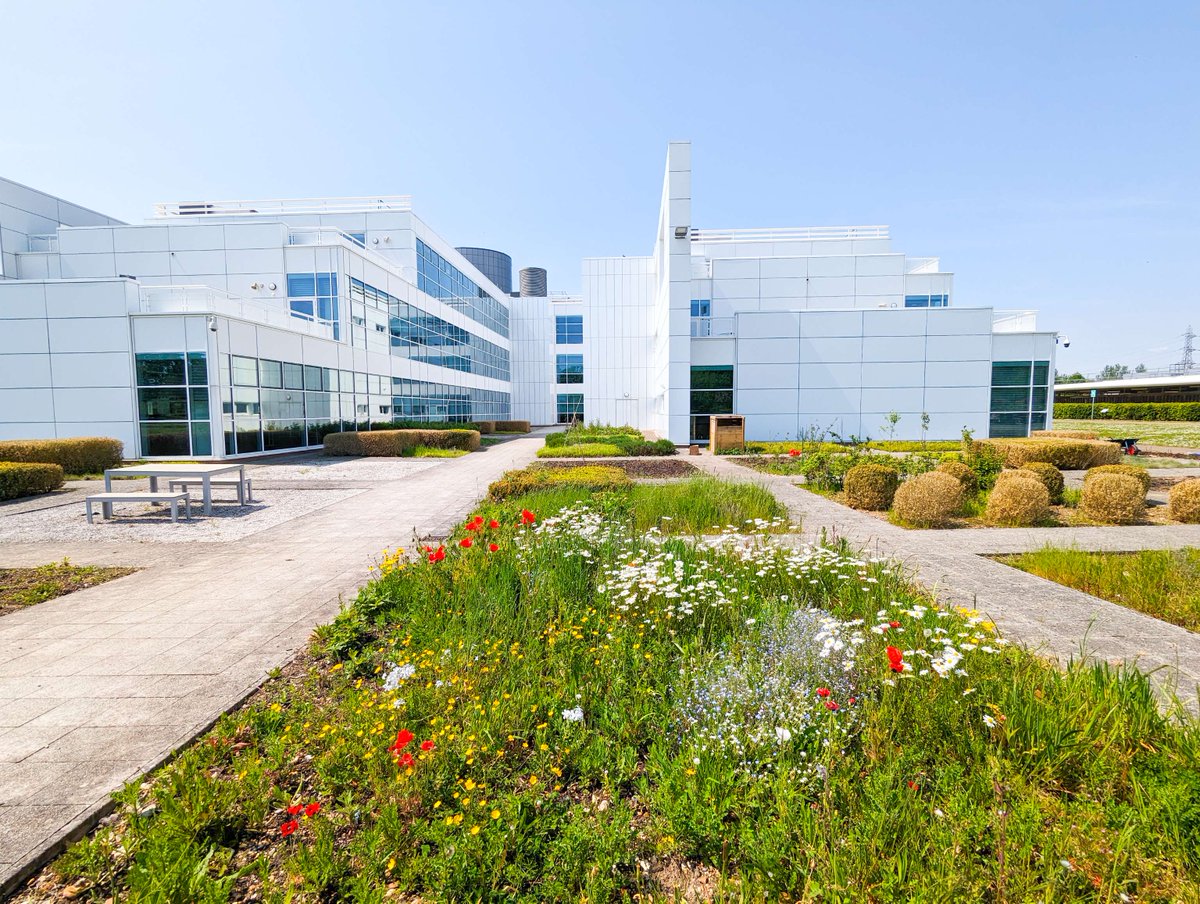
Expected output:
(725, 432)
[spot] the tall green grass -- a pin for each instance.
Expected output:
(1164, 583)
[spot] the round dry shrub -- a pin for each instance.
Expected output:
(1050, 477)
(960, 472)
(871, 487)
(1018, 502)
(1129, 470)
(928, 500)
(1113, 499)
(1183, 502)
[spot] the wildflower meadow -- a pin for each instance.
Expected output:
(570, 699)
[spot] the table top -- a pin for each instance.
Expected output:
(177, 470)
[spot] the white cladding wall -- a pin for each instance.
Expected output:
(25, 212)
(618, 341)
(65, 362)
(533, 358)
(845, 371)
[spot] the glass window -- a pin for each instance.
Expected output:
(569, 368)
(199, 403)
(245, 371)
(201, 438)
(1009, 424)
(312, 377)
(712, 393)
(712, 377)
(270, 373)
(160, 440)
(160, 369)
(283, 434)
(568, 329)
(570, 408)
(162, 405)
(293, 376)
(248, 438)
(1010, 373)
(1010, 399)
(916, 301)
(1041, 373)
(1040, 393)
(245, 401)
(197, 369)
(701, 307)
(302, 285)
(282, 405)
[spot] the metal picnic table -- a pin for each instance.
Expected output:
(205, 473)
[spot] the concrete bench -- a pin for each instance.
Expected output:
(106, 501)
(242, 486)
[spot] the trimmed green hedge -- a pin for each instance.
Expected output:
(1130, 411)
(392, 443)
(79, 455)
(583, 450)
(592, 477)
(485, 426)
(28, 479)
(512, 426)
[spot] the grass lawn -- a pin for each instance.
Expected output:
(566, 706)
(1162, 583)
(1154, 433)
(23, 587)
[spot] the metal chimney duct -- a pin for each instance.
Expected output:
(533, 282)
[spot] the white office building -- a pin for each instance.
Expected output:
(231, 328)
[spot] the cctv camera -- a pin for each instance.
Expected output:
(1066, 343)
(212, 324)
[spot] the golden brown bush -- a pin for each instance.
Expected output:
(963, 474)
(1113, 499)
(1183, 502)
(21, 478)
(1129, 470)
(928, 500)
(1068, 454)
(1066, 434)
(1050, 477)
(386, 443)
(78, 455)
(871, 486)
(1019, 501)
(513, 427)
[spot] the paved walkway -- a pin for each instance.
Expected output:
(1050, 619)
(102, 685)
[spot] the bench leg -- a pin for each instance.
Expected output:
(87, 507)
(249, 491)
(174, 511)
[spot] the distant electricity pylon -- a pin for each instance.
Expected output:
(1189, 357)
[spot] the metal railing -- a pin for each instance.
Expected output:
(282, 206)
(788, 234)
(712, 327)
(44, 243)
(921, 264)
(1011, 321)
(207, 300)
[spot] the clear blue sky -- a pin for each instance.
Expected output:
(1048, 152)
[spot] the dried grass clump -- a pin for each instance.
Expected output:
(1019, 501)
(928, 500)
(1065, 434)
(1050, 477)
(871, 487)
(1068, 454)
(963, 474)
(1141, 474)
(1183, 502)
(1113, 499)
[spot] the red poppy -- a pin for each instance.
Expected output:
(406, 760)
(527, 517)
(427, 548)
(793, 452)
(822, 692)
(438, 554)
(851, 700)
(493, 547)
(288, 827)
(472, 526)
(895, 659)
(465, 543)
(403, 739)
(427, 746)
(832, 707)
(312, 809)
(294, 809)
(912, 785)
(493, 524)
(893, 624)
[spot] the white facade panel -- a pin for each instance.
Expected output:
(830, 350)
(89, 334)
(958, 348)
(91, 370)
(104, 404)
(893, 348)
(893, 373)
(815, 324)
(28, 405)
(894, 323)
(23, 336)
(18, 371)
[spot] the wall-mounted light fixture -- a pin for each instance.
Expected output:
(681, 232)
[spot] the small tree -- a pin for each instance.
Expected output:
(889, 424)
(1140, 369)
(924, 428)
(1114, 371)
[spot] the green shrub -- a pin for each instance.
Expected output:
(592, 477)
(928, 500)
(556, 440)
(1141, 474)
(1019, 501)
(1130, 411)
(963, 474)
(392, 443)
(914, 445)
(1113, 498)
(1183, 502)
(1050, 476)
(485, 426)
(583, 450)
(28, 478)
(512, 426)
(653, 447)
(596, 429)
(871, 487)
(1068, 454)
(79, 455)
